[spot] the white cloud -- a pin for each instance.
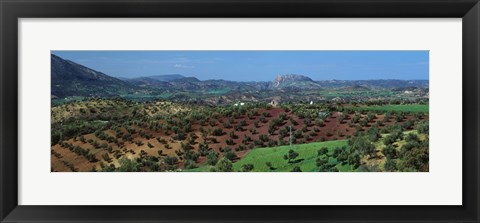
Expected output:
(182, 66)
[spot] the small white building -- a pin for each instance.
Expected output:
(275, 101)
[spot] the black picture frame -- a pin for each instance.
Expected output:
(12, 10)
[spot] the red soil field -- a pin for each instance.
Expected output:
(331, 130)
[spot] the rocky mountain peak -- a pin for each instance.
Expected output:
(281, 80)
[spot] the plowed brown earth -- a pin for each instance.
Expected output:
(331, 130)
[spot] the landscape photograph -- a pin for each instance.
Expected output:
(239, 111)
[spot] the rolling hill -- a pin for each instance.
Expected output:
(72, 79)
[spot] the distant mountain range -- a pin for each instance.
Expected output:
(72, 79)
(287, 81)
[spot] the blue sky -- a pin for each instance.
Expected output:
(257, 65)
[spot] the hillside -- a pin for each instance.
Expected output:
(97, 134)
(72, 79)
(167, 77)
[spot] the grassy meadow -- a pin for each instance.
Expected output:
(396, 108)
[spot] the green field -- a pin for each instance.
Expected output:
(219, 91)
(357, 93)
(395, 108)
(61, 101)
(306, 159)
